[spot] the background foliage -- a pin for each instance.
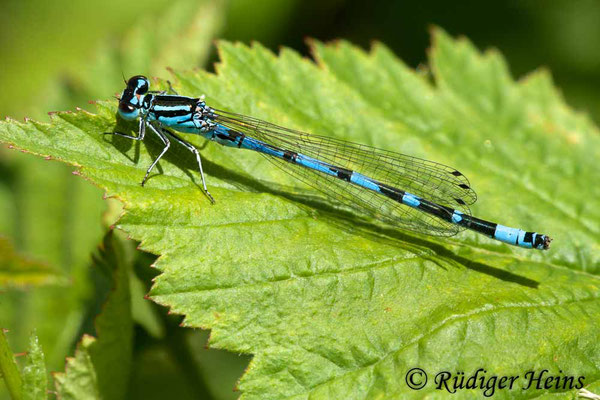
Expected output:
(52, 222)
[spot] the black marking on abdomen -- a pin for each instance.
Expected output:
(290, 156)
(232, 136)
(541, 241)
(241, 140)
(439, 211)
(479, 225)
(342, 173)
(391, 192)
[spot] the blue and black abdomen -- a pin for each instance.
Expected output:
(345, 176)
(342, 175)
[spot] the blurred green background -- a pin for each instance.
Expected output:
(41, 41)
(58, 55)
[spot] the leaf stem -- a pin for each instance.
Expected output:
(8, 367)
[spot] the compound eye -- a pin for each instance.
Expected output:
(138, 83)
(133, 81)
(142, 87)
(126, 108)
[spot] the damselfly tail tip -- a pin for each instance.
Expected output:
(546, 242)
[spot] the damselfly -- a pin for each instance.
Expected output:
(404, 191)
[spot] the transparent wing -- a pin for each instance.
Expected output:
(429, 180)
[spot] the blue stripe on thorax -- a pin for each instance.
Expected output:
(174, 122)
(166, 108)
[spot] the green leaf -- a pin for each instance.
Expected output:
(330, 305)
(51, 216)
(101, 366)
(18, 271)
(8, 368)
(35, 381)
(53, 221)
(80, 380)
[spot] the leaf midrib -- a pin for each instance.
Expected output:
(381, 264)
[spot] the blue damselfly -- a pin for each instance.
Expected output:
(404, 191)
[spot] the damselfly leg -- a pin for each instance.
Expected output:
(171, 88)
(191, 148)
(167, 144)
(162, 134)
(140, 136)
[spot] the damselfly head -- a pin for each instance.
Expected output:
(133, 96)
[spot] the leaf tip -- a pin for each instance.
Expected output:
(311, 41)
(437, 33)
